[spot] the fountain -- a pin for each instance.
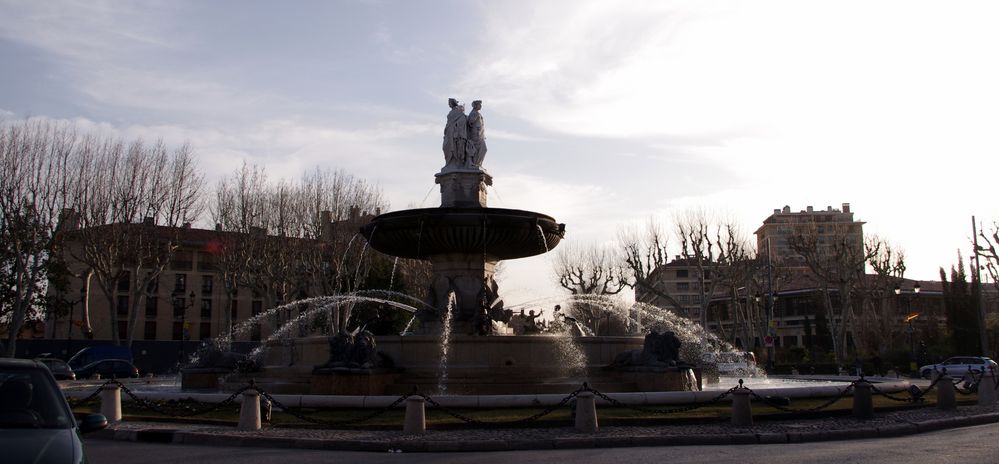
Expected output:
(462, 344)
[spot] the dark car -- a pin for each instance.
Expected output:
(36, 423)
(60, 370)
(108, 368)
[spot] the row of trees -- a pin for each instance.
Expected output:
(112, 212)
(725, 265)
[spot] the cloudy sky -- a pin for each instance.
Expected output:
(599, 113)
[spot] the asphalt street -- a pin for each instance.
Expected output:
(966, 444)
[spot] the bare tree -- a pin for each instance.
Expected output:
(132, 209)
(589, 270)
(35, 185)
(836, 259)
(878, 320)
(644, 254)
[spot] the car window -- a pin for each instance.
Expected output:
(28, 399)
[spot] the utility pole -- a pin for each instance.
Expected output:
(982, 330)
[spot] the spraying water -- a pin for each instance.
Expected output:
(445, 344)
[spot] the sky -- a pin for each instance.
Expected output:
(601, 114)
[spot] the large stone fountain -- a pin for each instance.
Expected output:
(462, 346)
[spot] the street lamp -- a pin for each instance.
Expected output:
(909, 317)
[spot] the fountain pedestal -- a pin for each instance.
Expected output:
(463, 188)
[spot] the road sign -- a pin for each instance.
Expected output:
(769, 341)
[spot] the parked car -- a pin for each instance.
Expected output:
(60, 370)
(732, 362)
(37, 423)
(108, 368)
(959, 366)
(92, 354)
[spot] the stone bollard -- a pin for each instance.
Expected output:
(586, 413)
(416, 416)
(946, 397)
(111, 402)
(742, 411)
(249, 411)
(987, 390)
(863, 404)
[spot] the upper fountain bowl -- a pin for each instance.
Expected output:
(494, 232)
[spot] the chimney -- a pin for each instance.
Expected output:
(354, 212)
(776, 210)
(148, 221)
(846, 207)
(218, 227)
(187, 225)
(810, 209)
(787, 209)
(326, 225)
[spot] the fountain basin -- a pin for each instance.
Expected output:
(496, 233)
(475, 365)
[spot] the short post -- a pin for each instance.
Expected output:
(863, 404)
(416, 416)
(987, 389)
(946, 397)
(586, 413)
(249, 411)
(742, 410)
(111, 402)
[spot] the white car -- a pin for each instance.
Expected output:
(960, 366)
(732, 362)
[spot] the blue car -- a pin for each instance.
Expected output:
(36, 423)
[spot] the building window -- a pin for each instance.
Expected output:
(151, 305)
(206, 284)
(682, 286)
(122, 330)
(682, 274)
(180, 283)
(206, 309)
(205, 331)
(178, 331)
(123, 305)
(149, 331)
(123, 281)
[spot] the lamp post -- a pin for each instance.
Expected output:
(909, 317)
(69, 323)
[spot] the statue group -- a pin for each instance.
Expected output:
(464, 137)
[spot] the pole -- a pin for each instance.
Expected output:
(771, 351)
(977, 275)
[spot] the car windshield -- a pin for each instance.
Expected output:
(28, 399)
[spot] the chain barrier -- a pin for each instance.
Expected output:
(73, 403)
(820, 407)
(190, 412)
(684, 408)
(532, 418)
(313, 420)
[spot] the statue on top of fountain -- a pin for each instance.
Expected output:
(464, 137)
(354, 350)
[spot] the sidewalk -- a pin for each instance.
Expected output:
(887, 424)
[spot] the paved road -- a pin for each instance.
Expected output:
(968, 444)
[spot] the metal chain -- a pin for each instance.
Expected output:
(910, 399)
(294, 413)
(820, 407)
(76, 403)
(146, 404)
(685, 408)
(525, 420)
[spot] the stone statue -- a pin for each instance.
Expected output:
(355, 350)
(658, 350)
(476, 137)
(455, 136)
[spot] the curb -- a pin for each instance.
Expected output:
(583, 441)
